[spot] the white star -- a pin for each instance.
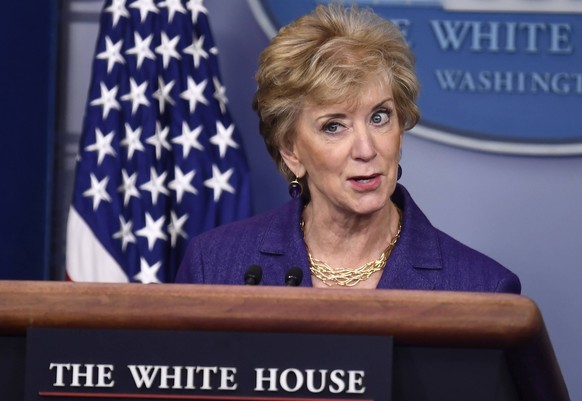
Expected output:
(152, 230)
(196, 49)
(141, 49)
(117, 8)
(147, 273)
(136, 95)
(223, 138)
(219, 182)
(195, 93)
(175, 228)
(155, 185)
(128, 187)
(173, 6)
(112, 53)
(182, 183)
(196, 6)
(102, 145)
(125, 233)
(163, 93)
(167, 49)
(98, 191)
(159, 139)
(189, 139)
(132, 140)
(107, 99)
(144, 7)
(220, 94)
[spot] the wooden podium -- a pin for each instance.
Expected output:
(432, 331)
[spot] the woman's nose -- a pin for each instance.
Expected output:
(363, 147)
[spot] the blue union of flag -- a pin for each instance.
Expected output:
(160, 158)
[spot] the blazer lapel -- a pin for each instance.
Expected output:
(283, 232)
(282, 245)
(416, 256)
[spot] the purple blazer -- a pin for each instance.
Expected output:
(424, 257)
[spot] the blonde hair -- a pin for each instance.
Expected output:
(328, 55)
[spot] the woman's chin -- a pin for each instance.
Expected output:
(370, 206)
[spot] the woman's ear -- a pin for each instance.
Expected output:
(292, 161)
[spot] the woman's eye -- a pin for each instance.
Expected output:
(332, 127)
(380, 117)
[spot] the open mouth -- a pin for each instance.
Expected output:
(365, 179)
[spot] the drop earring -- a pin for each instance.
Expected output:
(295, 188)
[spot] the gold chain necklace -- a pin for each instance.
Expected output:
(351, 277)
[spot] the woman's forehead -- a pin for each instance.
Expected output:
(369, 92)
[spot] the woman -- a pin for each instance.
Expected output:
(336, 90)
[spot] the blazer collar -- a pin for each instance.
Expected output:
(416, 253)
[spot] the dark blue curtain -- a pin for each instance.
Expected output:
(28, 50)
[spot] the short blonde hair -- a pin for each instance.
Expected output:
(324, 56)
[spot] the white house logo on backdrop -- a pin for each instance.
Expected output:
(498, 76)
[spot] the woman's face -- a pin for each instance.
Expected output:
(349, 151)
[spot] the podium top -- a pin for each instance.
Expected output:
(411, 317)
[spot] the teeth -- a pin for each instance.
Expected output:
(363, 179)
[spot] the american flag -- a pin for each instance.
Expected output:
(160, 158)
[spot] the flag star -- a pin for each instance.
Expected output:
(167, 49)
(196, 6)
(182, 183)
(128, 187)
(102, 145)
(223, 138)
(159, 139)
(152, 230)
(220, 94)
(141, 49)
(136, 95)
(195, 93)
(196, 49)
(132, 141)
(112, 53)
(173, 6)
(107, 99)
(118, 10)
(144, 6)
(98, 191)
(175, 228)
(214, 51)
(219, 182)
(148, 274)
(189, 139)
(156, 185)
(162, 94)
(125, 233)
